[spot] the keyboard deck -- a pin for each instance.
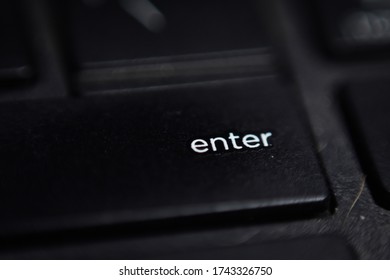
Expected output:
(140, 129)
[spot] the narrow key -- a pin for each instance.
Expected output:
(126, 44)
(101, 30)
(367, 108)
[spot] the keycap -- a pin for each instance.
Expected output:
(14, 63)
(239, 147)
(102, 30)
(366, 108)
(355, 26)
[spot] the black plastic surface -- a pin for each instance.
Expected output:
(354, 27)
(14, 63)
(108, 160)
(357, 217)
(308, 248)
(99, 31)
(367, 106)
(317, 247)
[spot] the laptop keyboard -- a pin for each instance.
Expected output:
(140, 129)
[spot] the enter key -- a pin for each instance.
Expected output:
(226, 148)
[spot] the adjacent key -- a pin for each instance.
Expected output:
(14, 64)
(237, 148)
(368, 113)
(308, 248)
(102, 30)
(355, 26)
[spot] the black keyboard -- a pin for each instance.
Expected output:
(150, 129)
